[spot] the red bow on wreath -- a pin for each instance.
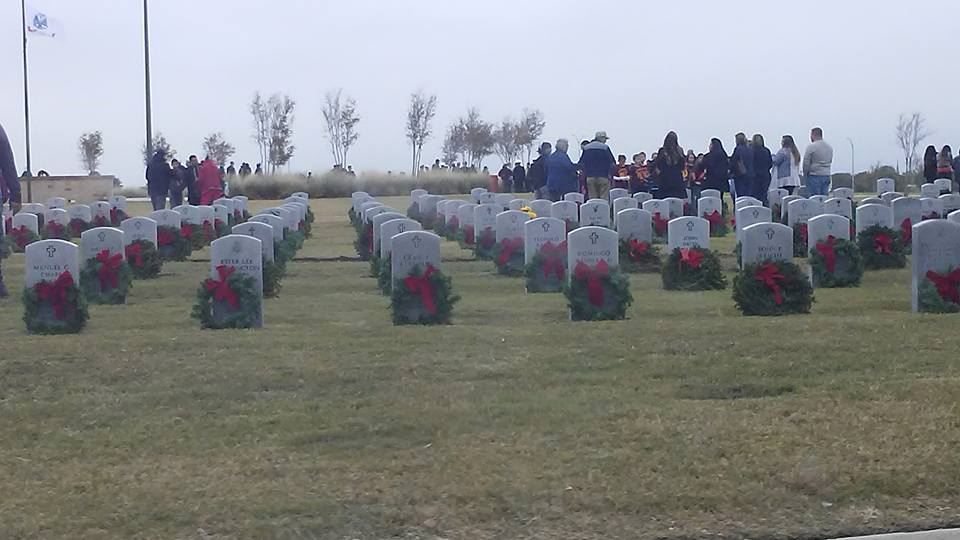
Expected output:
(804, 232)
(237, 215)
(76, 226)
(638, 249)
(208, 230)
(115, 216)
(55, 228)
(487, 238)
(906, 230)
(468, 235)
(109, 269)
(770, 276)
(593, 277)
(221, 289)
(56, 293)
(135, 252)
(659, 224)
(883, 244)
(715, 218)
(691, 257)
(508, 246)
(186, 231)
(19, 235)
(165, 237)
(421, 285)
(100, 221)
(828, 253)
(946, 285)
(553, 259)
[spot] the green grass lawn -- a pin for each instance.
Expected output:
(684, 421)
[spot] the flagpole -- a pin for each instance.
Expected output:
(146, 71)
(26, 99)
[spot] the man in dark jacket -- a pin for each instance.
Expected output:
(506, 175)
(537, 175)
(742, 167)
(597, 162)
(158, 180)
(190, 180)
(9, 188)
(519, 178)
(762, 164)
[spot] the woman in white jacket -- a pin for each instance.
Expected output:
(786, 165)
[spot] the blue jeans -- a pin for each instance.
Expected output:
(158, 200)
(818, 185)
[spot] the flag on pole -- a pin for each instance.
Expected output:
(39, 24)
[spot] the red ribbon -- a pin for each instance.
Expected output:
(906, 231)
(716, 220)
(946, 285)
(692, 257)
(100, 221)
(76, 226)
(56, 293)
(468, 235)
(637, 249)
(508, 246)
(19, 235)
(883, 244)
(109, 269)
(237, 215)
(208, 231)
(659, 224)
(218, 224)
(804, 233)
(186, 231)
(454, 223)
(488, 238)
(421, 285)
(54, 229)
(553, 259)
(165, 237)
(828, 253)
(221, 289)
(770, 276)
(135, 252)
(115, 216)
(593, 277)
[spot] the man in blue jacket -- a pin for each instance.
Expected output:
(597, 162)
(742, 167)
(9, 188)
(561, 172)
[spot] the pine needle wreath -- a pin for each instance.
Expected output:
(57, 307)
(144, 259)
(571, 225)
(243, 315)
(196, 237)
(174, 244)
(55, 231)
(362, 245)
(660, 226)
(800, 235)
(384, 275)
(106, 279)
(424, 297)
(440, 227)
(77, 226)
(117, 216)
(836, 263)
(639, 257)
(881, 248)
(352, 216)
(693, 269)
(597, 293)
(374, 265)
(306, 228)
(547, 271)
(221, 228)
(6, 246)
(296, 238)
(718, 223)
(937, 293)
(486, 241)
(311, 218)
(283, 252)
(272, 278)
(738, 253)
(413, 211)
(453, 227)
(21, 237)
(772, 288)
(508, 257)
(466, 237)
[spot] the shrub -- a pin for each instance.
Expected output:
(332, 185)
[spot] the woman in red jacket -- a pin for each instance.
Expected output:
(208, 180)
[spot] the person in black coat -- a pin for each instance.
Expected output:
(762, 164)
(158, 177)
(742, 167)
(715, 166)
(519, 179)
(930, 164)
(537, 175)
(670, 163)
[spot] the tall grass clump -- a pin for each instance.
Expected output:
(334, 185)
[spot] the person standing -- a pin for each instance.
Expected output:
(506, 175)
(762, 164)
(190, 180)
(945, 163)
(638, 174)
(177, 183)
(259, 170)
(209, 182)
(670, 164)
(817, 161)
(537, 175)
(956, 170)
(158, 177)
(231, 170)
(621, 173)
(742, 167)
(715, 167)
(597, 162)
(786, 163)
(519, 178)
(9, 189)
(930, 164)
(561, 172)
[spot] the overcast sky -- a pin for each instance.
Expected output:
(635, 69)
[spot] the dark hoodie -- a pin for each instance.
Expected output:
(158, 174)
(716, 167)
(9, 182)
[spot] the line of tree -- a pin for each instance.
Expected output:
(470, 139)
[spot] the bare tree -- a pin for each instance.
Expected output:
(421, 113)
(217, 148)
(91, 150)
(911, 131)
(529, 129)
(477, 136)
(280, 146)
(159, 143)
(505, 141)
(455, 145)
(340, 115)
(261, 126)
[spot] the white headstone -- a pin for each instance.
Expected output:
(775, 196)
(475, 194)
(230, 204)
(275, 222)
(139, 228)
(574, 197)
(509, 224)
(56, 215)
(415, 195)
(904, 209)
(30, 221)
(801, 210)
(889, 196)
(376, 222)
(541, 207)
(766, 242)
(101, 209)
(198, 215)
(951, 202)
(706, 206)
(658, 206)
(930, 190)
(617, 193)
(688, 232)
(93, 241)
(785, 204)
(932, 208)
(119, 202)
(167, 218)
(751, 215)
(676, 206)
(503, 199)
(392, 228)
(538, 232)
(944, 186)
(33, 208)
(485, 197)
(711, 193)
(623, 203)
(56, 202)
(47, 259)
(886, 184)
(300, 195)
(595, 213)
(221, 213)
(869, 215)
(590, 245)
(517, 204)
(485, 218)
(635, 224)
(642, 197)
(413, 249)
(565, 210)
(260, 231)
(245, 255)
(842, 193)
(936, 248)
(465, 215)
(824, 226)
(954, 216)
(839, 206)
(81, 212)
(746, 201)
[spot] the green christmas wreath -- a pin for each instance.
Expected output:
(272, 278)
(413, 212)
(466, 237)
(6, 246)
(547, 271)
(21, 237)
(195, 236)
(772, 288)
(374, 265)
(693, 269)
(486, 241)
(597, 293)
(423, 297)
(144, 259)
(352, 216)
(173, 244)
(938, 293)
(57, 307)
(836, 263)
(296, 238)
(384, 275)
(800, 235)
(53, 230)
(881, 248)
(117, 216)
(235, 292)
(718, 223)
(508, 256)
(440, 227)
(453, 228)
(106, 279)
(77, 227)
(283, 252)
(639, 257)
(222, 228)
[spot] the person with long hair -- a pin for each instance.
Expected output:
(742, 167)
(715, 167)
(787, 165)
(762, 164)
(945, 163)
(930, 164)
(670, 163)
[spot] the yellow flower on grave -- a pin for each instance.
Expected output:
(528, 211)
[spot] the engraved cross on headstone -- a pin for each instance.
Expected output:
(51, 251)
(594, 237)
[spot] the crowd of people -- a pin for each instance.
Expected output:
(940, 164)
(204, 181)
